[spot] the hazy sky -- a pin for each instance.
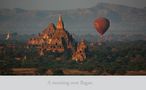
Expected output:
(64, 4)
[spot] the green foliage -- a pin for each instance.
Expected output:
(115, 58)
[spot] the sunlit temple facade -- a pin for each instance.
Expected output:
(57, 39)
(53, 38)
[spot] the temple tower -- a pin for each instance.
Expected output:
(60, 25)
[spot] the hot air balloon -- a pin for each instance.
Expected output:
(101, 25)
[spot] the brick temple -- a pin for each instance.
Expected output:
(57, 39)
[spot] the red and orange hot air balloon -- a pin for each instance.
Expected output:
(101, 25)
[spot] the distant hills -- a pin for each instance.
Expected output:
(123, 19)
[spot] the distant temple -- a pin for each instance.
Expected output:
(54, 39)
(57, 39)
(80, 54)
(8, 36)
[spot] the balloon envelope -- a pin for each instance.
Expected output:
(101, 25)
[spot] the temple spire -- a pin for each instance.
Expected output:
(60, 25)
(60, 18)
